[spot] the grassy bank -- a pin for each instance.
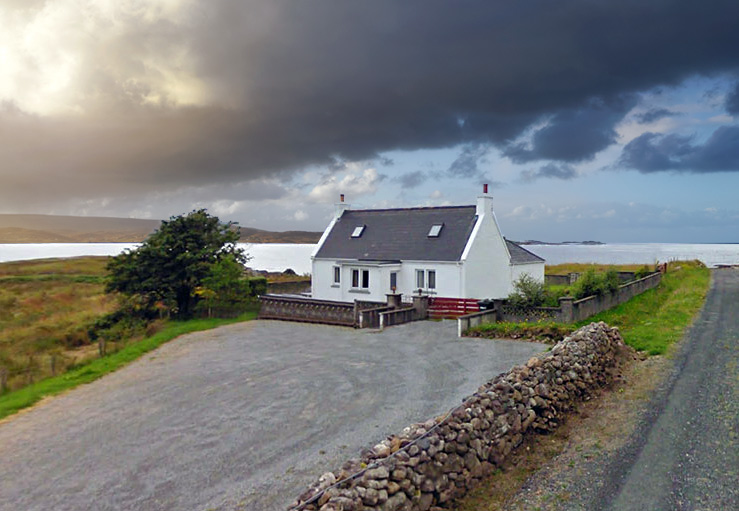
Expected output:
(649, 322)
(46, 308)
(27, 396)
(655, 319)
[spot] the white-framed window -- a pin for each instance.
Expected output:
(420, 279)
(337, 275)
(425, 279)
(360, 279)
(393, 281)
(358, 230)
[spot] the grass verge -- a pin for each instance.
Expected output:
(14, 401)
(650, 322)
(657, 318)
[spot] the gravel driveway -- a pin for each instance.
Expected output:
(242, 417)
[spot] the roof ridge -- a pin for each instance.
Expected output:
(411, 209)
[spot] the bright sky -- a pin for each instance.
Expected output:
(611, 121)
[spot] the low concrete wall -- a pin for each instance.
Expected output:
(586, 307)
(432, 463)
(307, 310)
(397, 317)
(571, 278)
(569, 310)
(370, 318)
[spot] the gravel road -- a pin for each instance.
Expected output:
(241, 417)
(683, 449)
(685, 456)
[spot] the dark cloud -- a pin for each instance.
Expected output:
(550, 170)
(732, 100)
(654, 114)
(575, 135)
(468, 161)
(294, 84)
(652, 152)
(411, 179)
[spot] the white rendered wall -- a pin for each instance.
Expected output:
(448, 280)
(487, 272)
(536, 270)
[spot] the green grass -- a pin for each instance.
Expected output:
(649, 322)
(657, 318)
(13, 401)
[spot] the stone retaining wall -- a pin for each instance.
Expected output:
(430, 464)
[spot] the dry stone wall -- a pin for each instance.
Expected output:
(430, 464)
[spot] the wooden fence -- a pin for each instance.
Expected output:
(440, 307)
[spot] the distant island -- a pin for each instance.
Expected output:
(86, 229)
(537, 242)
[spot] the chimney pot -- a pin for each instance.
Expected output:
(342, 196)
(485, 188)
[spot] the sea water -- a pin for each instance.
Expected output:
(281, 256)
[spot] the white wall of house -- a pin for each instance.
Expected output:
(446, 277)
(536, 270)
(487, 272)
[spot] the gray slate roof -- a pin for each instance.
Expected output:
(520, 255)
(401, 234)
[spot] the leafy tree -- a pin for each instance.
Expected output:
(225, 290)
(174, 261)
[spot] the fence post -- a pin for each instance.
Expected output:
(566, 305)
(3, 380)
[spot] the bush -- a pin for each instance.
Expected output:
(642, 272)
(592, 283)
(528, 292)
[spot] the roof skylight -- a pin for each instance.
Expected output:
(435, 230)
(358, 230)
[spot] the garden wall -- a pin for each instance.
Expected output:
(432, 463)
(307, 309)
(569, 310)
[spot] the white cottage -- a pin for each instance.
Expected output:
(451, 251)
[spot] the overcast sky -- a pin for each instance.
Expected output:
(606, 120)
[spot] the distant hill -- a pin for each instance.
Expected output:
(87, 229)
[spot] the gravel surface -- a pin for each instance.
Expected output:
(241, 417)
(683, 453)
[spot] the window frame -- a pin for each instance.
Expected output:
(421, 279)
(337, 274)
(429, 283)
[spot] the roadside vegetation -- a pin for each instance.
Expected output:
(64, 322)
(650, 322)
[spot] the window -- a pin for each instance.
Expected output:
(365, 276)
(358, 230)
(337, 275)
(435, 230)
(432, 279)
(420, 279)
(393, 280)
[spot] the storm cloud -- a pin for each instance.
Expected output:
(651, 152)
(152, 96)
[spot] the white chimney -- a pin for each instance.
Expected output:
(484, 202)
(340, 207)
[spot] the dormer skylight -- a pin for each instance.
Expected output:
(358, 230)
(435, 230)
